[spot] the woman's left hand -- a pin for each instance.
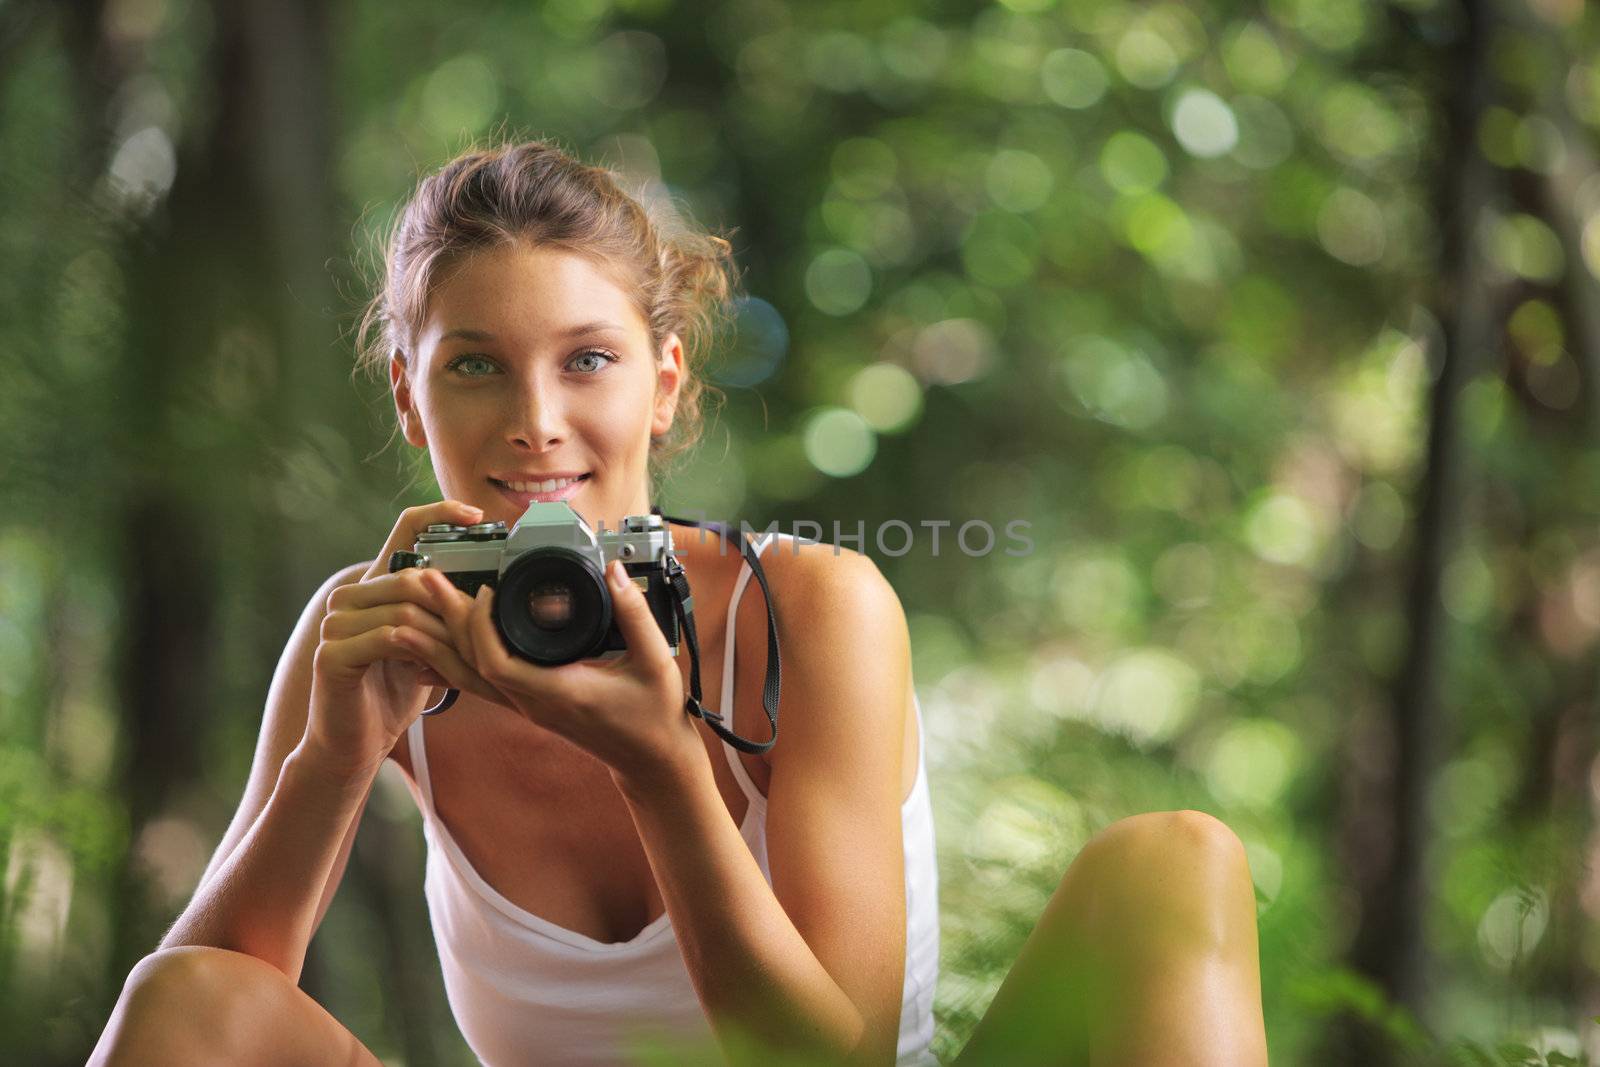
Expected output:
(627, 711)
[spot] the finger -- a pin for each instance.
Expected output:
(348, 623)
(455, 613)
(478, 631)
(414, 521)
(638, 626)
(496, 663)
(445, 664)
(346, 659)
(419, 585)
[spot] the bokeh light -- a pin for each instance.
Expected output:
(887, 396)
(839, 442)
(1073, 78)
(1018, 181)
(462, 93)
(1146, 695)
(1204, 124)
(953, 351)
(1132, 163)
(838, 281)
(1252, 762)
(760, 345)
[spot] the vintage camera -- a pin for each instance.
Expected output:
(551, 603)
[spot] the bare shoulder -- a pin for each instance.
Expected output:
(813, 584)
(842, 636)
(818, 583)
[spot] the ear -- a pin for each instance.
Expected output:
(404, 404)
(669, 383)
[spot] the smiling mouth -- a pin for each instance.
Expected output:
(521, 494)
(549, 485)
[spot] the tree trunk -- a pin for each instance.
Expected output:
(1389, 946)
(247, 210)
(1572, 801)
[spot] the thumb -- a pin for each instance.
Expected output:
(634, 618)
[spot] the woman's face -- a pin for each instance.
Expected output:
(532, 368)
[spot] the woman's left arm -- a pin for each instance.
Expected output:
(816, 960)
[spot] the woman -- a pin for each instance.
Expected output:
(602, 868)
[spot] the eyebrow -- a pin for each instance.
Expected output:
(579, 330)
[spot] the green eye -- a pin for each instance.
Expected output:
(459, 360)
(592, 361)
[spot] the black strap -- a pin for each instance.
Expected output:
(685, 609)
(445, 702)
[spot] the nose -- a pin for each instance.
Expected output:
(536, 420)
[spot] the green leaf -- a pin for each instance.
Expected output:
(1476, 1053)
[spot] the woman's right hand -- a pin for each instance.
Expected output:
(366, 686)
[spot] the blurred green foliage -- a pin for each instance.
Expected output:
(1156, 278)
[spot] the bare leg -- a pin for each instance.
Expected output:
(196, 1005)
(1145, 954)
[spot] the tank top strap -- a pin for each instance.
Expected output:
(419, 762)
(740, 775)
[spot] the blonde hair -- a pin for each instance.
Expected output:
(683, 282)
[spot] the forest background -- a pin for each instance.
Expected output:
(1279, 323)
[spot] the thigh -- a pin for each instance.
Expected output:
(1039, 1017)
(196, 1004)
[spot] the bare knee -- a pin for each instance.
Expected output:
(191, 1004)
(1168, 874)
(1192, 833)
(1159, 843)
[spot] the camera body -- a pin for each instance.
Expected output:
(551, 602)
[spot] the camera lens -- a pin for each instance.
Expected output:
(552, 606)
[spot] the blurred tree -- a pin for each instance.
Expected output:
(1390, 944)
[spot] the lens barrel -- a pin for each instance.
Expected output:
(552, 606)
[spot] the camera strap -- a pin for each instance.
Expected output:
(683, 604)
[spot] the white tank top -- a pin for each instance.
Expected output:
(526, 991)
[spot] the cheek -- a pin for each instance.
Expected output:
(455, 422)
(621, 415)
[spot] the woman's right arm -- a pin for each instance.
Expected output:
(266, 887)
(343, 694)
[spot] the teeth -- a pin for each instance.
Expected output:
(549, 485)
